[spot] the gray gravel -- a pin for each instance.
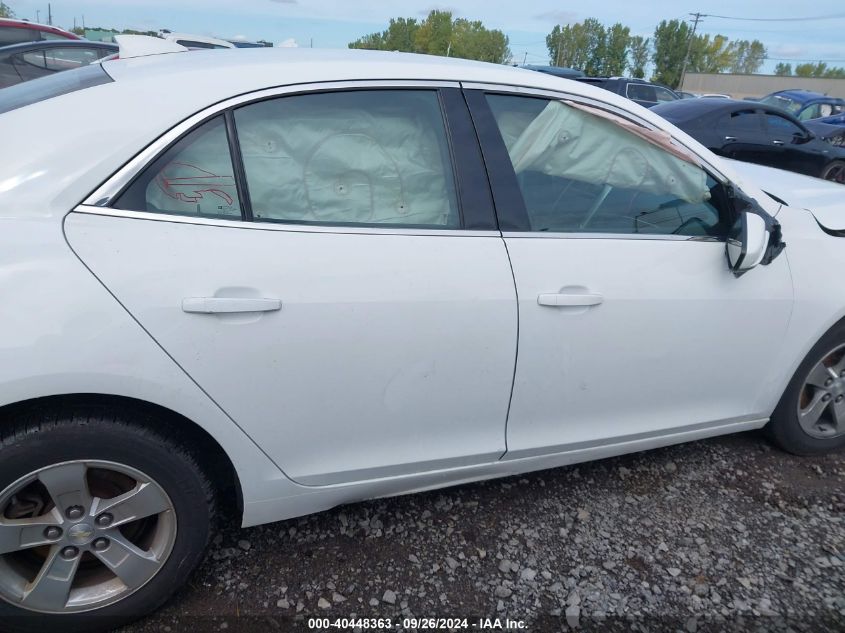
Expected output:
(724, 534)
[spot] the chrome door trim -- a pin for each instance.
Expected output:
(114, 184)
(596, 103)
(608, 236)
(85, 209)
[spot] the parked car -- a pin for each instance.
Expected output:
(557, 71)
(308, 278)
(22, 62)
(757, 134)
(831, 129)
(805, 104)
(18, 31)
(639, 91)
(196, 42)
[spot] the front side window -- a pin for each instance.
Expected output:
(194, 177)
(583, 170)
(372, 157)
(812, 111)
(641, 92)
(782, 126)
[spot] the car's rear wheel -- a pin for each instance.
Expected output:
(101, 520)
(835, 172)
(810, 417)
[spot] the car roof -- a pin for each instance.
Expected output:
(39, 44)
(803, 96)
(689, 109)
(35, 26)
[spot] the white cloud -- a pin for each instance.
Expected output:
(288, 43)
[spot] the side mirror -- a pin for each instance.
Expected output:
(747, 243)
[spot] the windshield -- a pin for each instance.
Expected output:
(784, 103)
(44, 88)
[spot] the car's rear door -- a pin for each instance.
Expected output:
(631, 326)
(359, 322)
(743, 137)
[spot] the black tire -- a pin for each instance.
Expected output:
(44, 439)
(834, 171)
(784, 428)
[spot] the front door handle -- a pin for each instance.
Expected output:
(730, 139)
(569, 299)
(777, 142)
(229, 305)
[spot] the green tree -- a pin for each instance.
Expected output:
(638, 51)
(616, 49)
(671, 39)
(783, 70)
(710, 55)
(435, 34)
(748, 57)
(811, 70)
(582, 46)
(568, 46)
(6, 11)
(439, 34)
(596, 36)
(835, 73)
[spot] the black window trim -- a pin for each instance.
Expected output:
(475, 213)
(507, 194)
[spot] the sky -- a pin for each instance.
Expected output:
(787, 34)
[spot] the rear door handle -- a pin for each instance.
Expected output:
(228, 305)
(730, 139)
(566, 299)
(777, 142)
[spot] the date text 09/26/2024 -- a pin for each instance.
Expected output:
(375, 624)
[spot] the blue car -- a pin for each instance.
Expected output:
(805, 105)
(831, 129)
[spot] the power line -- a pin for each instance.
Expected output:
(833, 16)
(791, 59)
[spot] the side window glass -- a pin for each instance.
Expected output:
(58, 59)
(194, 177)
(781, 126)
(373, 157)
(641, 92)
(810, 112)
(584, 171)
(14, 35)
(664, 95)
(745, 122)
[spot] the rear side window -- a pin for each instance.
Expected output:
(373, 157)
(13, 35)
(44, 88)
(745, 122)
(60, 59)
(194, 177)
(641, 92)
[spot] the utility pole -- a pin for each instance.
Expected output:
(38, 16)
(525, 58)
(49, 14)
(698, 17)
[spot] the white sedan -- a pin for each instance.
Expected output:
(272, 282)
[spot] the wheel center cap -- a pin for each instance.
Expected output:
(81, 534)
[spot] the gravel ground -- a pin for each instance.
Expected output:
(723, 534)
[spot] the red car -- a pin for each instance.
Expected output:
(17, 31)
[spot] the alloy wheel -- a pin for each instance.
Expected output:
(80, 535)
(835, 173)
(821, 405)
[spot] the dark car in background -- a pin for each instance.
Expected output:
(831, 129)
(557, 71)
(805, 104)
(640, 91)
(17, 31)
(22, 62)
(756, 133)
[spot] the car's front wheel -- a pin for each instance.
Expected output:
(810, 417)
(101, 520)
(835, 172)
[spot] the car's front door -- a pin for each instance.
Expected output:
(743, 137)
(630, 323)
(360, 321)
(795, 149)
